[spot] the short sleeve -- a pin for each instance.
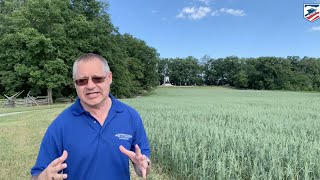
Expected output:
(140, 137)
(50, 149)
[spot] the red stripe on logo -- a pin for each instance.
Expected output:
(315, 18)
(311, 16)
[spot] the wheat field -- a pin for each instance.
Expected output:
(198, 133)
(219, 133)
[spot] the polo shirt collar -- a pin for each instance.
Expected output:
(77, 108)
(116, 104)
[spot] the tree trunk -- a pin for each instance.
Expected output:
(49, 92)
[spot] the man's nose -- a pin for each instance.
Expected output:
(90, 84)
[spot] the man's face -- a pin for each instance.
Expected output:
(94, 93)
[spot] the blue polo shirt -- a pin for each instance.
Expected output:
(93, 150)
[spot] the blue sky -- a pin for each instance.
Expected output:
(219, 28)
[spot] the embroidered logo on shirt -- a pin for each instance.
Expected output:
(123, 136)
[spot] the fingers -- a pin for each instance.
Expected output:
(58, 168)
(59, 160)
(144, 172)
(133, 156)
(137, 158)
(64, 156)
(138, 151)
(57, 165)
(143, 165)
(143, 160)
(60, 176)
(128, 153)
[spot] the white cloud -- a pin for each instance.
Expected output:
(233, 12)
(206, 2)
(194, 13)
(316, 28)
(215, 13)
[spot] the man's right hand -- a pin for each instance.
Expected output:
(52, 171)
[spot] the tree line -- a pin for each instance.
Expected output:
(267, 73)
(40, 39)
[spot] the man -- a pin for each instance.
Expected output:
(95, 136)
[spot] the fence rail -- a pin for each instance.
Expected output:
(2, 102)
(32, 101)
(24, 102)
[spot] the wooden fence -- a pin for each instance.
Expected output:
(25, 102)
(32, 101)
(2, 102)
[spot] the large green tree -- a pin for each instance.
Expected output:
(42, 38)
(185, 71)
(142, 60)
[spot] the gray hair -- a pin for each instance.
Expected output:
(89, 57)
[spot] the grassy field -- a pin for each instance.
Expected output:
(20, 137)
(198, 133)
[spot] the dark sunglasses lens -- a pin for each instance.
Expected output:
(98, 79)
(82, 82)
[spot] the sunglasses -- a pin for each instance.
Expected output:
(95, 80)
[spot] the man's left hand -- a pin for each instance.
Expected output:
(139, 160)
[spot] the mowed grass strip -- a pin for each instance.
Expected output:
(30, 108)
(20, 138)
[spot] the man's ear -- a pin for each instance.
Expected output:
(110, 77)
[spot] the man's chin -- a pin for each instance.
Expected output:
(93, 104)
